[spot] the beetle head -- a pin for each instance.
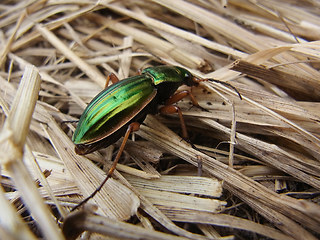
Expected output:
(188, 78)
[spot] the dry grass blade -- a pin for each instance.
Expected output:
(105, 226)
(17, 123)
(239, 183)
(121, 204)
(227, 221)
(258, 157)
(181, 192)
(299, 85)
(91, 72)
(12, 226)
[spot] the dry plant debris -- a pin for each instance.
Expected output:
(260, 155)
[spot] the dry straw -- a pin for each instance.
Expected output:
(258, 157)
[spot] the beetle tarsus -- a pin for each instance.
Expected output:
(199, 166)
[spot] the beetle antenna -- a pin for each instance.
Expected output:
(226, 84)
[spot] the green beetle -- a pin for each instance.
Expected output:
(108, 115)
(119, 109)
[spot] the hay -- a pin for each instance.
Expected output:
(259, 154)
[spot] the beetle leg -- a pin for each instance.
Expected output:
(180, 95)
(171, 109)
(133, 127)
(199, 159)
(114, 79)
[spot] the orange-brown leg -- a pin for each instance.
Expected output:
(133, 127)
(182, 94)
(171, 109)
(114, 79)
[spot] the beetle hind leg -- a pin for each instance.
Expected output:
(133, 127)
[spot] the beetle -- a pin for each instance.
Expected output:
(109, 114)
(119, 109)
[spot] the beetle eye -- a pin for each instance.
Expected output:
(185, 76)
(188, 79)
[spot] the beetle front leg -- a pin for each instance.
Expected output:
(171, 109)
(133, 127)
(182, 94)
